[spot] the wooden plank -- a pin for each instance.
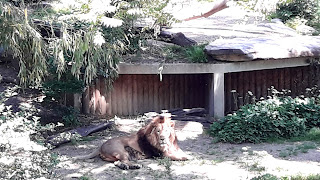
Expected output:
(92, 100)
(177, 84)
(253, 86)
(145, 93)
(151, 106)
(200, 92)
(305, 78)
(187, 91)
(140, 93)
(109, 103)
(129, 94)
(103, 96)
(246, 87)
(97, 96)
(156, 84)
(276, 77)
(269, 80)
(124, 95)
(312, 76)
(135, 102)
(234, 80)
(287, 81)
(119, 95)
(281, 79)
(181, 91)
(240, 86)
(228, 94)
(264, 87)
(166, 95)
(86, 101)
(299, 83)
(293, 81)
(258, 84)
(114, 97)
(162, 94)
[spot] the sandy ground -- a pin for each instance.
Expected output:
(210, 160)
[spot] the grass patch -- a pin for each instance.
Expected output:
(297, 177)
(196, 54)
(295, 150)
(312, 135)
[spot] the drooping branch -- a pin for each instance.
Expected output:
(216, 8)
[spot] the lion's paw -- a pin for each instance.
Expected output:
(121, 165)
(135, 166)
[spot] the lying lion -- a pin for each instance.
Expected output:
(157, 139)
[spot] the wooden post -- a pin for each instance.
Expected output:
(77, 99)
(216, 95)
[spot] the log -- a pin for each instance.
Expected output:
(67, 136)
(184, 112)
(194, 114)
(176, 38)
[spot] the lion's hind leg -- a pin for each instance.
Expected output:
(121, 159)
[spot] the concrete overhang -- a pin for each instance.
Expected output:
(204, 68)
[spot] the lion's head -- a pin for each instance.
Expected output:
(160, 133)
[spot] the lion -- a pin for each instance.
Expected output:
(157, 139)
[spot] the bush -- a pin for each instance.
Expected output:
(297, 12)
(305, 9)
(276, 117)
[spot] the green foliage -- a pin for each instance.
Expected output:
(70, 118)
(56, 89)
(265, 177)
(82, 40)
(305, 9)
(276, 117)
(297, 12)
(196, 54)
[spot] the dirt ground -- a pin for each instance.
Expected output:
(210, 160)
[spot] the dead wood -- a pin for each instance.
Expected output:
(216, 8)
(177, 38)
(67, 136)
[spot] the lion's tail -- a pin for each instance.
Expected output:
(95, 153)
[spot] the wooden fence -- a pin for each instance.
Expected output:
(295, 79)
(136, 94)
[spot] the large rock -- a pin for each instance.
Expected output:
(244, 49)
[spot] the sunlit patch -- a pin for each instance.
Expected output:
(191, 130)
(156, 167)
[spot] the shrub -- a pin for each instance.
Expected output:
(196, 54)
(297, 12)
(276, 117)
(305, 9)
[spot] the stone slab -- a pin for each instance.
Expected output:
(244, 49)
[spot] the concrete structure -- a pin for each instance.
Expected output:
(216, 84)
